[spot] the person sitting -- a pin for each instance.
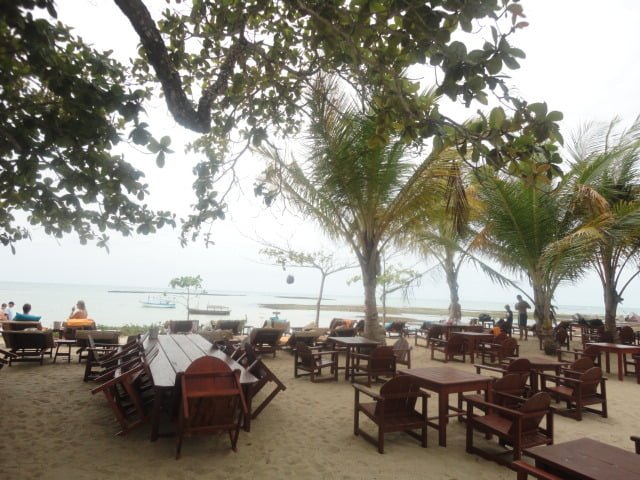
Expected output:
(26, 316)
(9, 312)
(79, 310)
(500, 327)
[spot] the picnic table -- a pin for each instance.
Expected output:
(175, 354)
(618, 348)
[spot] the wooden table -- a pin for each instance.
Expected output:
(175, 354)
(472, 339)
(587, 459)
(444, 381)
(541, 364)
(619, 349)
(351, 344)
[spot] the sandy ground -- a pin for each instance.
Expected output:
(52, 427)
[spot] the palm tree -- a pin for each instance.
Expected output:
(606, 196)
(359, 183)
(529, 229)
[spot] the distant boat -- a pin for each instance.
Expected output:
(155, 302)
(211, 310)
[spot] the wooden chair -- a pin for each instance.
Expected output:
(393, 410)
(519, 428)
(265, 340)
(577, 367)
(98, 356)
(212, 401)
(572, 355)
(578, 390)
(519, 366)
(402, 351)
(309, 337)
(236, 326)
(636, 440)
(254, 365)
(312, 361)
(380, 362)
(454, 347)
(561, 338)
(499, 353)
(634, 361)
(395, 328)
(626, 335)
(506, 391)
(28, 346)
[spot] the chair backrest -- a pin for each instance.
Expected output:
(395, 326)
(560, 335)
(536, 406)
(435, 331)
(382, 358)
(305, 354)
(627, 335)
(582, 364)
(508, 347)
(211, 394)
(520, 366)
(344, 332)
(455, 343)
(510, 384)
(401, 350)
(396, 387)
(265, 335)
(183, 326)
(235, 326)
(590, 380)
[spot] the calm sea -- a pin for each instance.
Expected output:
(110, 305)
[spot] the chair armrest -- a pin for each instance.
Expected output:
(488, 367)
(476, 401)
(324, 352)
(438, 341)
(366, 391)
(8, 354)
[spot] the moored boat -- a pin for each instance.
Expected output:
(155, 302)
(211, 310)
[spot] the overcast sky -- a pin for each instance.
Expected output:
(582, 59)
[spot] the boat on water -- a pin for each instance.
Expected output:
(211, 310)
(157, 302)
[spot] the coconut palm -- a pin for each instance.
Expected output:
(359, 183)
(529, 229)
(603, 181)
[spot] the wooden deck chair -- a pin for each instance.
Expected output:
(518, 428)
(380, 362)
(265, 340)
(311, 360)
(452, 348)
(578, 390)
(254, 365)
(393, 410)
(212, 401)
(97, 358)
(183, 326)
(28, 346)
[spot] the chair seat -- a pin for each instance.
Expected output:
(396, 422)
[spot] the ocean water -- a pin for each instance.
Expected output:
(111, 306)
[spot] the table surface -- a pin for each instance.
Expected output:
(445, 375)
(176, 352)
(586, 458)
(548, 362)
(614, 346)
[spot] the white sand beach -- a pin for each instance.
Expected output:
(52, 427)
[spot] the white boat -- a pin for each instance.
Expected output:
(211, 310)
(157, 302)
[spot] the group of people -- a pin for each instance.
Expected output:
(505, 324)
(8, 312)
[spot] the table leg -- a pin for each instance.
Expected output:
(155, 414)
(247, 418)
(443, 412)
(347, 366)
(607, 363)
(620, 366)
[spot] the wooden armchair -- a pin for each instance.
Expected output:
(393, 410)
(265, 340)
(506, 391)
(402, 351)
(572, 355)
(516, 427)
(626, 335)
(312, 361)
(454, 347)
(499, 353)
(26, 346)
(380, 362)
(212, 401)
(578, 390)
(519, 366)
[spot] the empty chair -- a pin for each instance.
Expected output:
(519, 366)
(578, 390)
(265, 340)
(518, 427)
(254, 365)
(402, 351)
(183, 326)
(560, 336)
(497, 353)
(380, 362)
(452, 348)
(212, 401)
(312, 361)
(393, 410)
(506, 391)
(26, 346)
(627, 336)
(395, 328)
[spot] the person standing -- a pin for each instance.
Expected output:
(521, 307)
(508, 320)
(10, 312)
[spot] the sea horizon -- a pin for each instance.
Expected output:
(118, 305)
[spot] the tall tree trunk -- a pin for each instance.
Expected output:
(324, 277)
(611, 297)
(455, 311)
(369, 266)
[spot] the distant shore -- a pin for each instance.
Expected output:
(405, 311)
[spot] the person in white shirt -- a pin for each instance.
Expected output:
(9, 312)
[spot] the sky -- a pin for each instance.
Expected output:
(582, 59)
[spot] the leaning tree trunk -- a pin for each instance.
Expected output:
(455, 311)
(324, 277)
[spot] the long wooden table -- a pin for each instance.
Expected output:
(619, 349)
(175, 354)
(351, 344)
(586, 459)
(444, 381)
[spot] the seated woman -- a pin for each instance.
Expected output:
(79, 310)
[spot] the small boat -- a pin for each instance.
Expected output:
(211, 310)
(155, 302)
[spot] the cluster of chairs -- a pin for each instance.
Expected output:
(125, 380)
